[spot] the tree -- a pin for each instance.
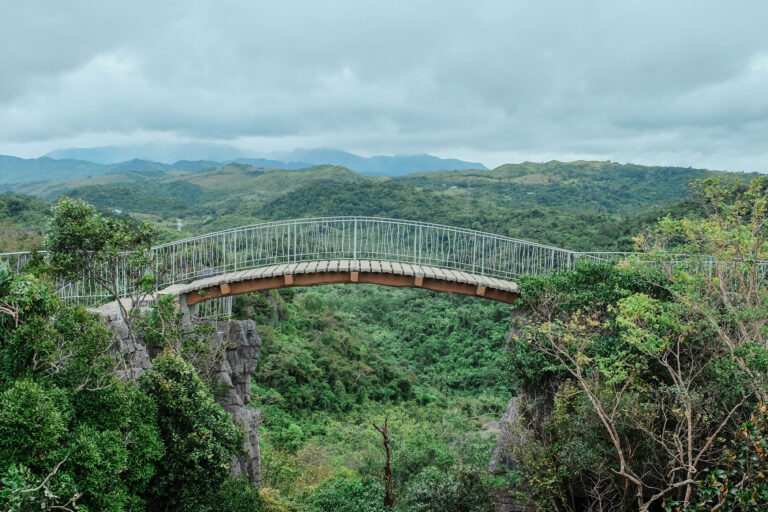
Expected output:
(389, 500)
(666, 353)
(461, 489)
(71, 434)
(163, 326)
(6, 277)
(739, 482)
(199, 437)
(723, 277)
(113, 254)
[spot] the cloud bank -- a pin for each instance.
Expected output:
(682, 83)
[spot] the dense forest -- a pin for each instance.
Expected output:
(638, 385)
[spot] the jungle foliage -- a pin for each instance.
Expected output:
(576, 187)
(654, 369)
(335, 359)
(73, 436)
(641, 385)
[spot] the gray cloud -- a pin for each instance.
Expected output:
(682, 83)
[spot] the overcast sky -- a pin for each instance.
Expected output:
(681, 82)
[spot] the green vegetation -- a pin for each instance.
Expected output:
(577, 187)
(75, 437)
(576, 205)
(651, 368)
(21, 221)
(586, 231)
(640, 386)
(329, 368)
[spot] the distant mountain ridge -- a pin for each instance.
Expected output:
(19, 170)
(381, 165)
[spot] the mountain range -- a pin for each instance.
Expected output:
(63, 167)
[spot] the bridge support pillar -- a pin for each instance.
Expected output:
(185, 309)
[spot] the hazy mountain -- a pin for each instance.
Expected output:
(277, 164)
(100, 161)
(296, 159)
(158, 152)
(380, 165)
(23, 170)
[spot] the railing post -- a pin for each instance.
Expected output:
(277, 228)
(420, 245)
(234, 249)
(295, 241)
(154, 254)
(223, 252)
(482, 262)
(354, 241)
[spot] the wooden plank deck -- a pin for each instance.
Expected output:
(334, 267)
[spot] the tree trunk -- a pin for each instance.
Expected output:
(389, 500)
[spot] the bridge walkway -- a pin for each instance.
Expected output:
(313, 273)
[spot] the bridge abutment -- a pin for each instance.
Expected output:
(188, 311)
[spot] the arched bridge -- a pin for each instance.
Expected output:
(306, 252)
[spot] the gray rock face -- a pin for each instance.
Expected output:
(242, 349)
(501, 459)
(242, 346)
(512, 434)
(133, 358)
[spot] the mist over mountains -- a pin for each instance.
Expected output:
(84, 162)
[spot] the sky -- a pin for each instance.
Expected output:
(651, 82)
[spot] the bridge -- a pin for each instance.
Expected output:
(208, 270)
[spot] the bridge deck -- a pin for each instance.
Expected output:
(345, 271)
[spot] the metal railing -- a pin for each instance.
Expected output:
(330, 238)
(357, 238)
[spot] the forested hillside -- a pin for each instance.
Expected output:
(578, 187)
(578, 205)
(439, 369)
(22, 220)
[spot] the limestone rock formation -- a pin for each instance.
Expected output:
(133, 357)
(511, 434)
(241, 346)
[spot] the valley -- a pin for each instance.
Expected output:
(335, 359)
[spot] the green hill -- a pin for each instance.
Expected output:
(583, 231)
(22, 220)
(570, 186)
(199, 188)
(244, 181)
(239, 194)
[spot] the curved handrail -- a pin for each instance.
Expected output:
(334, 238)
(312, 220)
